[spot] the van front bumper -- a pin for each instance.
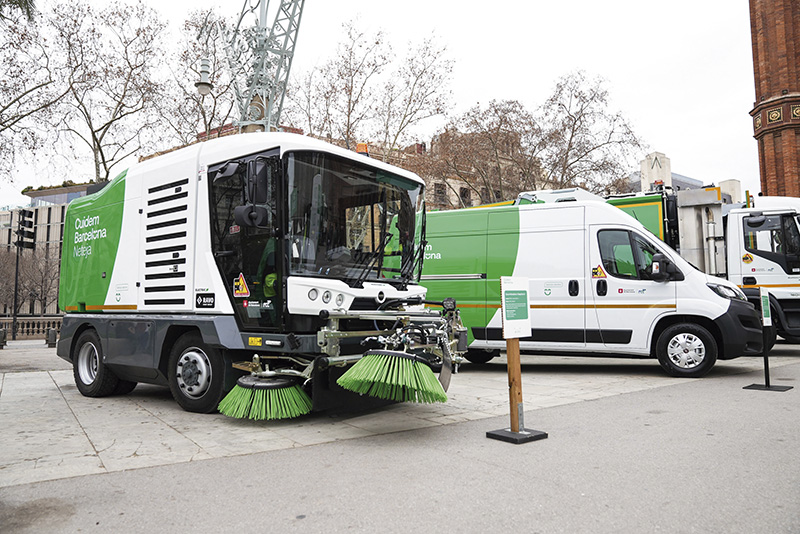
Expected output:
(741, 332)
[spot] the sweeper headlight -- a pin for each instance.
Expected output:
(313, 294)
(326, 297)
(449, 304)
(339, 299)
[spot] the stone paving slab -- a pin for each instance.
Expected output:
(49, 431)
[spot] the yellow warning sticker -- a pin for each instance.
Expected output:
(598, 272)
(240, 288)
(254, 341)
(747, 258)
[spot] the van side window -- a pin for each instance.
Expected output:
(626, 255)
(617, 253)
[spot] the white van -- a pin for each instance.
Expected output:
(600, 283)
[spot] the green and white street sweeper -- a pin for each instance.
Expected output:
(600, 283)
(272, 266)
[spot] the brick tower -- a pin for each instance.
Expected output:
(775, 30)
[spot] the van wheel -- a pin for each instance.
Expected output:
(196, 374)
(686, 350)
(478, 356)
(791, 339)
(92, 377)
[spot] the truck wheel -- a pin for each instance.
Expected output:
(92, 376)
(478, 356)
(196, 374)
(686, 350)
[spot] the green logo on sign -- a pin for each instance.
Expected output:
(516, 305)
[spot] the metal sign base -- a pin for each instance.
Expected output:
(524, 436)
(764, 387)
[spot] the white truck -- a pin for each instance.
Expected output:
(291, 254)
(600, 284)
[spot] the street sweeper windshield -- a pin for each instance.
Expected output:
(351, 221)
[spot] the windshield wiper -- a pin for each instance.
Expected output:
(414, 260)
(359, 283)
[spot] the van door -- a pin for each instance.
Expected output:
(627, 300)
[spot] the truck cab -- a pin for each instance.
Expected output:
(764, 252)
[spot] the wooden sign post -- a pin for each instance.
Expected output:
(516, 324)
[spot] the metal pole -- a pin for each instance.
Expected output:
(766, 356)
(16, 287)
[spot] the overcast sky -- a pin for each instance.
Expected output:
(680, 71)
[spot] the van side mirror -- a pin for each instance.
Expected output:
(663, 269)
(660, 268)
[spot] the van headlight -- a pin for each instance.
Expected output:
(727, 292)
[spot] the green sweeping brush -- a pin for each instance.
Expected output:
(395, 376)
(265, 398)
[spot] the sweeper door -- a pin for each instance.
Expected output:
(245, 240)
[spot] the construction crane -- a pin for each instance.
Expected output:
(259, 59)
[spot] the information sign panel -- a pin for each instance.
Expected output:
(515, 307)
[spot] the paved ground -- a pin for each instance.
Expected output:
(630, 450)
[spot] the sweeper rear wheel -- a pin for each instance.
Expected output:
(92, 377)
(196, 374)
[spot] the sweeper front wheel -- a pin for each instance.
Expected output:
(196, 374)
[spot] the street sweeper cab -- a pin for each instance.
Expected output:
(265, 265)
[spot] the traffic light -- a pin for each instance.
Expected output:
(27, 238)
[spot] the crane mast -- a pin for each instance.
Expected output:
(260, 58)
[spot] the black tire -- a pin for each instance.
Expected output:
(686, 350)
(196, 374)
(479, 356)
(92, 377)
(791, 339)
(124, 387)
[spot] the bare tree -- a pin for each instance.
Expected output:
(30, 83)
(492, 152)
(587, 144)
(185, 112)
(111, 97)
(417, 90)
(10, 8)
(7, 266)
(41, 272)
(338, 100)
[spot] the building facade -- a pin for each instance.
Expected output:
(36, 273)
(775, 33)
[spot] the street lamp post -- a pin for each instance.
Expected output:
(259, 59)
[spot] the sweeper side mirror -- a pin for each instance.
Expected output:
(257, 194)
